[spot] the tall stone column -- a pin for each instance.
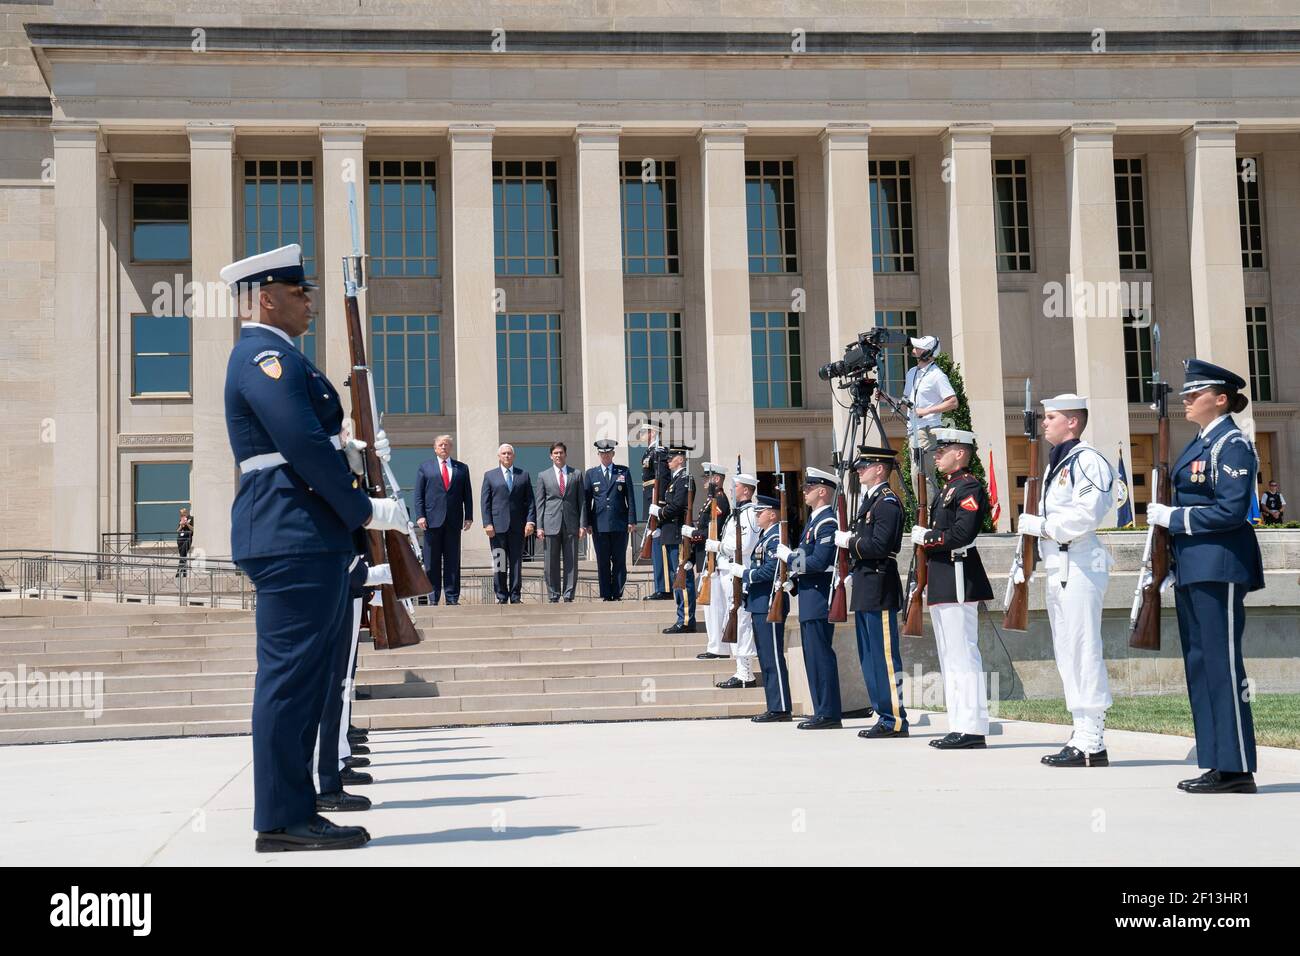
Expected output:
(600, 289)
(851, 291)
(1094, 269)
(75, 419)
(1214, 236)
(973, 293)
(343, 162)
(213, 479)
(473, 279)
(728, 361)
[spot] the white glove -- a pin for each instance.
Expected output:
(1018, 574)
(1158, 514)
(388, 515)
(783, 553)
(723, 566)
(354, 451)
(918, 534)
(737, 571)
(379, 574)
(713, 547)
(654, 511)
(1030, 524)
(688, 531)
(842, 538)
(788, 586)
(656, 534)
(382, 448)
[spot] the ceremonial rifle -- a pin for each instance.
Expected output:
(839, 612)
(706, 589)
(918, 574)
(391, 624)
(687, 544)
(651, 521)
(1144, 620)
(733, 615)
(776, 610)
(1016, 602)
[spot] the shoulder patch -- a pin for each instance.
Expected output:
(267, 353)
(970, 504)
(271, 366)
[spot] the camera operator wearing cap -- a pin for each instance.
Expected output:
(928, 394)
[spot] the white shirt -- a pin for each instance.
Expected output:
(925, 387)
(872, 490)
(270, 328)
(1214, 424)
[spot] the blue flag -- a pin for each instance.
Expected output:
(1123, 500)
(1253, 515)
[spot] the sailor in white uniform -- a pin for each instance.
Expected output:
(1076, 495)
(745, 486)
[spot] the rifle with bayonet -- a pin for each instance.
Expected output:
(838, 612)
(651, 521)
(776, 610)
(1016, 602)
(704, 593)
(687, 547)
(733, 615)
(919, 572)
(1144, 619)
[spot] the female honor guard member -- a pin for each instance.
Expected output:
(715, 477)
(720, 603)
(292, 526)
(756, 576)
(1216, 561)
(877, 593)
(957, 583)
(1075, 497)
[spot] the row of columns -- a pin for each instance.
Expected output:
(1218, 292)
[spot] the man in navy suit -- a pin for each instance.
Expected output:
(611, 516)
(444, 502)
(508, 515)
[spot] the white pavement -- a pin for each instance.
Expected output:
(669, 792)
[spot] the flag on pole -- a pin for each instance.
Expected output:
(995, 506)
(1123, 501)
(1253, 515)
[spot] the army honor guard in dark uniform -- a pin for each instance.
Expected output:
(876, 594)
(672, 516)
(654, 462)
(611, 511)
(1216, 561)
(292, 526)
(756, 573)
(956, 585)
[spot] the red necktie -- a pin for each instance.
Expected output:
(446, 478)
(561, 481)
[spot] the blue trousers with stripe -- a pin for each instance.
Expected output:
(685, 599)
(328, 757)
(882, 665)
(769, 641)
(822, 667)
(1211, 618)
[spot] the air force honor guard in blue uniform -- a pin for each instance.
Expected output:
(292, 526)
(757, 574)
(611, 509)
(1216, 561)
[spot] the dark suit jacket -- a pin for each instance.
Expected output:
(436, 505)
(507, 511)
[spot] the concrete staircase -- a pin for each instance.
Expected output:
(182, 672)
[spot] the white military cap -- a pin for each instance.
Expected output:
(278, 265)
(1066, 403)
(745, 479)
(953, 436)
(711, 468)
(928, 342)
(815, 476)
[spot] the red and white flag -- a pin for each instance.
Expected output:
(994, 505)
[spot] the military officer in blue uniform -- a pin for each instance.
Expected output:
(1216, 561)
(673, 514)
(810, 569)
(654, 464)
(611, 513)
(757, 575)
(292, 525)
(877, 594)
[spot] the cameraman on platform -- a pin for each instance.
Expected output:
(928, 394)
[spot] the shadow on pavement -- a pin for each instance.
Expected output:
(445, 802)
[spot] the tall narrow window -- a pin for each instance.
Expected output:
(1011, 209)
(160, 355)
(160, 222)
(159, 490)
(650, 218)
(526, 223)
(1249, 213)
(654, 361)
(770, 207)
(1130, 214)
(280, 208)
(402, 209)
(404, 357)
(529, 363)
(1137, 362)
(1261, 361)
(892, 238)
(777, 356)
(895, 360)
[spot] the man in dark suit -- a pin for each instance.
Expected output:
(561, 520)
(611, 516)
(444, 502)
(508, 515)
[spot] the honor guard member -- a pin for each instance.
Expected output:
(611, 511)
(292, 526)
(1076, 494)
(877, 593)
(743, 650)
(654, 462)
(756, 575)
(810, 568)
(1216, 561)
(714, 490)
(956, 585)
(672, 517)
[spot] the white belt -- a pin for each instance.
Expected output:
(275, 459)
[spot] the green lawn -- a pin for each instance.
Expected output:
(1277, 716)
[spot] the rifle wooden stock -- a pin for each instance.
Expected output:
(776, 610)
(705, 591)
(839, 609)
(1145, 633)
(913, 625)
(651, 523)
(686, 547)
(733, 615)
(1016, 617)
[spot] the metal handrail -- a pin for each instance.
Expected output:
(124, 579)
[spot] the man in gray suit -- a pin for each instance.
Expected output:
(561, 508)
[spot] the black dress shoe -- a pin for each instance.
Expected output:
(661, 596)
(1183, 784)
(956, 741)
(1071, 756)
(772, 717)
(687, 628)
(734, 683)
(354, 777)
(341, 801)
(355, 762)
(706, 656)
(881, 729)
(1222, 781)
(821, 723)
(360, 737)
(453, 603)
(358, 750)
(316, 834)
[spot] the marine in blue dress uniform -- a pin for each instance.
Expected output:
(611, 511)
(877, 593)
(1216, 561)
(672, 515)
(292, 525)
(810, 567)
(756, 575)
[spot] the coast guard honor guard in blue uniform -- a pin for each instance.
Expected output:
(292, 525)
(757, 574)
(1216, 561)
(611, 513)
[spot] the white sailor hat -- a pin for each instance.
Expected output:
(745, 479)
(711, 468)
(953, 436)
(815, 476)
(265, 268)
(928, 342)
(1066, 403)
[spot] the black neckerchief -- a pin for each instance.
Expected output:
(1059, 452)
